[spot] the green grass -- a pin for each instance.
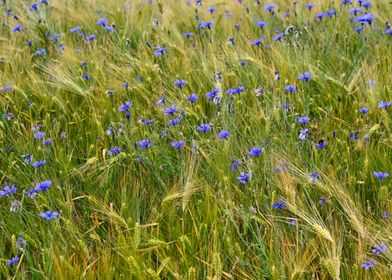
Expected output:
(163, 213)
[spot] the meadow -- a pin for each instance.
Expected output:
(176, 139)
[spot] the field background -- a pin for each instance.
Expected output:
(163, 213)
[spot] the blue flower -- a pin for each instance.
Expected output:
(211, 10)
(330, 13)
(306, 76)
(243, 178)
(234, 91)
(380, 175)
(310, 6)
(170, 110)
(109, 27)
(235, 164)
(180, 83)
(223, 134)
(205, 24)
(322, 201)
(314, 175)
(187, 35)
(211, 94)
(43, 186)
(278, 37)
(7, 190)
(125, 107)
(368, 264)
(41, 52)
(355, 11)
(204, 127)
(17, 28)
(145, 144)
(279, 205)
(6, 88)
(173, 122)
(354, 135)
(13, 261)
(321, 144)
(291, 88)
(292, 221)
(159, 51)
(34, 7)
(193, 98)
(147, 122)
(39, 135)
(365, 18)
(303, 120)
(177, 144)
(269, 7)
(261, 24)
(366, 4)
(49, 215)
(255, 152)
(379, 249)
(358, 28)
(319, 16)
(363, 110)
(258, 42)
(38, 164)
(86, 77)
(47, 142)
(114, 151)
(54, 37)
(346, 2)
(102, 21)
(75, 29)
(91, 37)
(384, 104)
(27, 158)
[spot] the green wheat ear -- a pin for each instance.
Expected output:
(191, 275)
(333, 267)
(217, 265)
(137, 235)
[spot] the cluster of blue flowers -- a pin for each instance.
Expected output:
(175, 115)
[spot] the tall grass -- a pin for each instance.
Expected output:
(163, 213)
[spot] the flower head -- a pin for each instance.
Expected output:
(43, 186)
(177, 144)
(102, 21)
(380, 175)
(368, 264)
(279, 204)
(13, 261)
(49, 215)
(170, 110)
(193, 98)
(145, 144)
(255, 152)
(125, 107)
(38, 164)
(291, 88)
(379, 249)
(224, 134)
(306, 76)
(114, 151)
(243, 178)
(204, 127)
(159, 51)
(303, 120)
(269, 7)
